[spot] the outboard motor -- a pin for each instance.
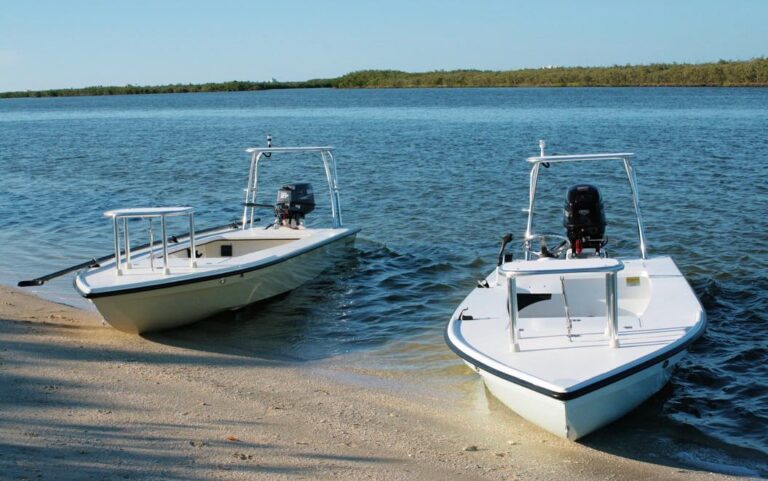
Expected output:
(584, 218)
(294, 202)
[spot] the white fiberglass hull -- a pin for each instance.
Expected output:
(573, 419)
(161, 308)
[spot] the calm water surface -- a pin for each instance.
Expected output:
(434, 178)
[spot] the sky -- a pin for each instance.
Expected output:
(76, 43)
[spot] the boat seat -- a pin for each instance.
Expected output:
(526, 299)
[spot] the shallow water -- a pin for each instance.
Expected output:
(435, 178)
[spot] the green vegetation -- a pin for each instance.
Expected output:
(234, 86)
(748, 73)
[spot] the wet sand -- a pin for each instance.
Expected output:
(80, 400)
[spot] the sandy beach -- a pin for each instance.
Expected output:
(80, 400)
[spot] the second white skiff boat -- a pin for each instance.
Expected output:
(183, 279)
(569, 337)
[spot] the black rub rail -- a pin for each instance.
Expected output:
(568, 395)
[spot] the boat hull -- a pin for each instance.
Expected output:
(575, 418)
(574, 385)
(163, 308)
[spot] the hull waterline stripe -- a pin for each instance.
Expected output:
(569, 395)
(220, 275)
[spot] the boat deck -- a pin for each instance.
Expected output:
(141, 273)
(662, 317)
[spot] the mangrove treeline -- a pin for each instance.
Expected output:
(233, 86)
(746, 73)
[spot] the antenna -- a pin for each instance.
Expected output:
(542, 144)
(269, 146)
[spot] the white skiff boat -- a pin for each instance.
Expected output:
(182, 279)
(569, 337)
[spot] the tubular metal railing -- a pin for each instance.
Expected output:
(329, 165)
(546, 160)
(149, 213)
(608, 266)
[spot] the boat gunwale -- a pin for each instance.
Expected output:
(219, 274)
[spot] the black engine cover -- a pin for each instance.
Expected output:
(295, 200)
(584, 217)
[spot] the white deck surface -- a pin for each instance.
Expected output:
(105, 278)
(548, 359)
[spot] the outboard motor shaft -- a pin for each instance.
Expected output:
(584, 218)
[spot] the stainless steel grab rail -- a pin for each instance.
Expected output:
(149, 213)
(610, 267)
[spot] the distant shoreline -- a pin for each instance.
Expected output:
(741, 73)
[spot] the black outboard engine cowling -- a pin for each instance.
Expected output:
(584, 218)
(294, 202)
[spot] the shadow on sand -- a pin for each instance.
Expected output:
(59, 426)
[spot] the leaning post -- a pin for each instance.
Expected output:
(116, 229)
(512, 305)
(166, 268)
(192, 248)
(611, 301)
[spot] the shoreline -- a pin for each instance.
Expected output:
(723, 73)
(34, 94)
(82, 400)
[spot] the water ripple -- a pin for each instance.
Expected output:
(434, 178)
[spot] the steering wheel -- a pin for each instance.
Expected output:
(544, 250)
